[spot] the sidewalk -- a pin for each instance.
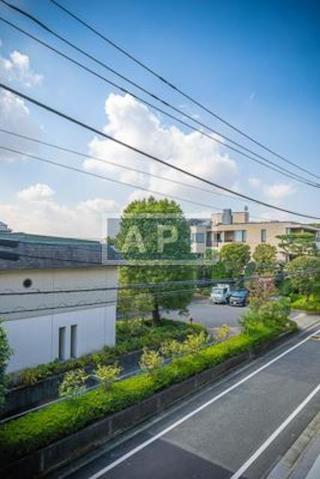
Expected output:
(302, 461)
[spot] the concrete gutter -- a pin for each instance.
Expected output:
(302, 461)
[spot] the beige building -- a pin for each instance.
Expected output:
(229, 226)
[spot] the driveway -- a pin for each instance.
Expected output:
(212, 315)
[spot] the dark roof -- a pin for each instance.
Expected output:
(28, 251)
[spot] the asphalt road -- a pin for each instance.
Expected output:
(239, 427)
(212, 315)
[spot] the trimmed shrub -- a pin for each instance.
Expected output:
(40, 428)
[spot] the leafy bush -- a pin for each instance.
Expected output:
(132, 335)
(194, 342)
(107, 374)
(222, 333)
(73, 384)
(150, 361)
(171, 348)
(273, 315)
(40, 428)
(5, 353)
(310, 304)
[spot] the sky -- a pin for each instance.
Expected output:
(256, 64)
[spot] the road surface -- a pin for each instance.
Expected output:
(237, 428)
(212, 315)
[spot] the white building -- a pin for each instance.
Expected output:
(57, 297)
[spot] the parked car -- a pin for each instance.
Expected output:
(220, 294)
(239, 297)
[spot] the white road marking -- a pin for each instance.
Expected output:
(197, 410)
(274, 435)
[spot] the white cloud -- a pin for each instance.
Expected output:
(279, 191)
(17, 68)
(134, 123)
(36, 192)
(37, 211)
(275, 191)
(15, 116)
(254, 182)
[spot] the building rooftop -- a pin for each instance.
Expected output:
(30, 251)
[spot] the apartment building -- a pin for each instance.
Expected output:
(58, 296)
(228, 226)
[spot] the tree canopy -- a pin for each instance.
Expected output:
(297, 244)
(304, 274)
(265, 257)
(235, 256)
(155, 239)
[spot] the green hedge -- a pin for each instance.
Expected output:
(40, 428)
(132, 335)
(310, 304)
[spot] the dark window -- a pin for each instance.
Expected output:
(263, 236)
(27, 283)
(73, 341)
(62, 343)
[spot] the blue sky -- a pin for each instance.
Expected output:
(255, 63)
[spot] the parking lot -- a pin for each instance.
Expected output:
(212, 315)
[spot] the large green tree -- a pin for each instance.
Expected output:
(304, 274)
(235, 257)
(154, 238)
(297, 244)
(265, 257)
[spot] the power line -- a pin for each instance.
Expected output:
(265, 162)
(157, 293)
(147, 155)
(106, 178)
(102, 160)
(97, 303)
(136, 170)
(132, 286)
(177, 89)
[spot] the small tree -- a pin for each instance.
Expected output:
(107, 374)
(235, 256)
(194, 342)
(73, 384)
(5, 353)
(265, 258)
(150, 361)
(171, 348)
(261, 289)
(304, 274)
(222, 333)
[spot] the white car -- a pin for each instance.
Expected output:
(220, 294)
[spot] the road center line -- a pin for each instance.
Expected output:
(274, 435)
(198, 409)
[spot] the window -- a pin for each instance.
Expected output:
(73, 341)
(198, 238)
(263, 236)
(62, 343)
(240, 236)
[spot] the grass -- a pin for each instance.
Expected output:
(40, 428)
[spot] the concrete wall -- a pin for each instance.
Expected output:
(33, 335)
